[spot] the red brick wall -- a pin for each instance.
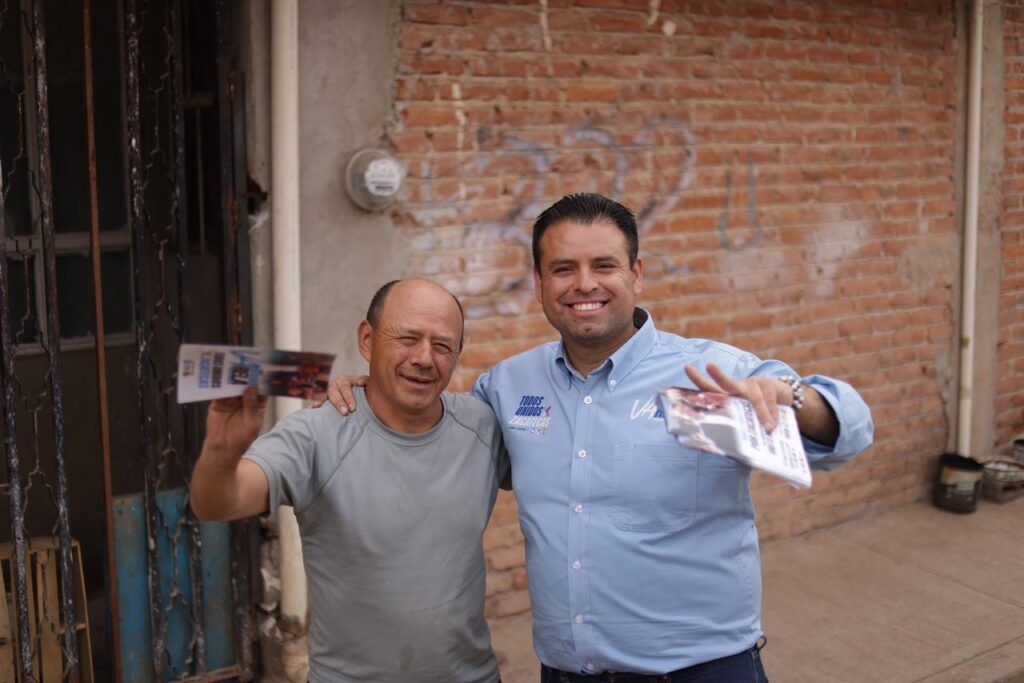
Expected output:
(1010, 358)
(792, 167)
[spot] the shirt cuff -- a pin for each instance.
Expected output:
(856, 428)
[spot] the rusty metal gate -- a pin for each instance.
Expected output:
(122, 196)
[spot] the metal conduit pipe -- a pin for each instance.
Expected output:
(969, 273)
(284, 213)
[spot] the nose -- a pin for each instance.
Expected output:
(585, 281)
(421, 355)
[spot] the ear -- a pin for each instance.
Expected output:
(365, 337)
(638, 272)
(537, 285)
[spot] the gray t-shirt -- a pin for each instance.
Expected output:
(392, 529)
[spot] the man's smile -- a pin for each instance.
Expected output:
(419, 381)
(587, 306)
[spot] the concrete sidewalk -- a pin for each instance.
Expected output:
(912, 594)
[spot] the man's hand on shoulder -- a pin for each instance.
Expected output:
(340, 393)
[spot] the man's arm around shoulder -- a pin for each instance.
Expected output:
(224, 486)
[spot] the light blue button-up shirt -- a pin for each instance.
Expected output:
(642, 556)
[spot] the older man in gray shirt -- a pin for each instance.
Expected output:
(391, 502)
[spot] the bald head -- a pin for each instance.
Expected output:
(419, 286)
(412, 338)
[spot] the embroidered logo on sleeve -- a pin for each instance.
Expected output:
(531, 415)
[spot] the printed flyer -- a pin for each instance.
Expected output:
(728, 426)
(208, 372)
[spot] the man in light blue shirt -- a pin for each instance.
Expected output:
(642, 556)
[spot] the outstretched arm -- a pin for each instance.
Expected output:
(815, 419)
(224, 486)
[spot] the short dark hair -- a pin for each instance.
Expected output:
(380, 297)
(377, 302)
(586, 208)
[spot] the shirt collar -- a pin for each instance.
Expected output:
(622, 362)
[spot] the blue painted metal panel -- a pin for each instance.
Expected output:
(132, 588)
(217, 598)
(174, 544)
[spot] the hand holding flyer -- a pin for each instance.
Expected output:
(727, 425)
(207, 372)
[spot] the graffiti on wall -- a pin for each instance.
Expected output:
(723, 221)
(463, 216)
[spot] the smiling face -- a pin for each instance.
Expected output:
(587, 286)
(412, 351)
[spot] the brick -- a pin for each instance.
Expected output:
(619, 22)
(507, 604)
(502, 536)
(591, 93)
(416, 114)
(490, 17)
(500, 559)
(707, 329)
(436, 14)
(762, 30)
(500, 582)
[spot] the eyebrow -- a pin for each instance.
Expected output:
(409, 332)
(570, 262)
(562, 262)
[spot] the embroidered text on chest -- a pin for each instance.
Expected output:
(531, 415)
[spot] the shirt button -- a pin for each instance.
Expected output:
(611, 382)
(577, 564)
(578, 508)
(590, 666)
(582, 454)
(588, 400)
(579, 618)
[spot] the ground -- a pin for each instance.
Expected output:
(916, 594)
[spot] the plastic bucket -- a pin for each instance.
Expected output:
(959, 485)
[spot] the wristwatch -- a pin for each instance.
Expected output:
(797, 385)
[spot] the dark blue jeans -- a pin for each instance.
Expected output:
(745, 667)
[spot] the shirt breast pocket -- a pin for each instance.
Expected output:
(654, 488)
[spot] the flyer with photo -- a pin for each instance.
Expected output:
(728, 426)
(207, 372)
